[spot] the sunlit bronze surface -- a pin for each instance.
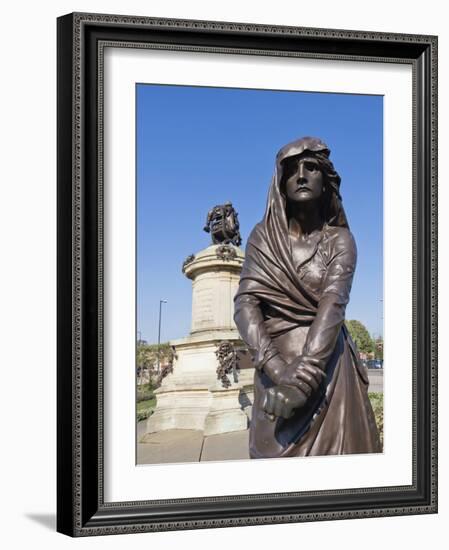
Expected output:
(311, 391)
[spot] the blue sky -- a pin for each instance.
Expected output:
(197, 147)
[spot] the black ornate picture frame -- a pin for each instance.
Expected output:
(81, 509)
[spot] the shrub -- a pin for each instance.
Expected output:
(144, 414)
(145, 408)
(144, 395)
(377, 402)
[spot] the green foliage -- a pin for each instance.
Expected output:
(145, 408)
(144, 394)
(144, 414)
(361, 336)
(146, 388)
(379, 348)
(377, 402)
(148, 356)
(147, 404)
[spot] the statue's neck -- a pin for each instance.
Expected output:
(304, 220)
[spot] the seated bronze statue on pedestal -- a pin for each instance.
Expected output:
(311, 391)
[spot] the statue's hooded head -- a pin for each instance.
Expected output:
(308, 147)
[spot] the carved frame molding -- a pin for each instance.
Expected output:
(81, 41)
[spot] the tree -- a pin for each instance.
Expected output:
(147, 359)
(361, 336)
(144, 361)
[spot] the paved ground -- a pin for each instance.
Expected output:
(376, 380)
(172, 446)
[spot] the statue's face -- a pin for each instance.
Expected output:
(304, 180)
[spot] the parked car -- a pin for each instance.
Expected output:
(375, 364)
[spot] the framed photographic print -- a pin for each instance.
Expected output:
(246, 274)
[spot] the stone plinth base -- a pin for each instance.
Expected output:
(192, 398)
(225, 414)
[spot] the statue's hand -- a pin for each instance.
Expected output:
(284, 374)
(281, 401)
(307, 372)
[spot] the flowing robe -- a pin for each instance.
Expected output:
(304, 316)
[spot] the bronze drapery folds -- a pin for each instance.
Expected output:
(311, 391)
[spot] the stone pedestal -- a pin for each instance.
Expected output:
(191, 397)
(225, 413)
(215, 274)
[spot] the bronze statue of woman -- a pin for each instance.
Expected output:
(310, 389)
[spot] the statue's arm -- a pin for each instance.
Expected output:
(323, 333)
(206, 225)
(250, 321)
(310, 367)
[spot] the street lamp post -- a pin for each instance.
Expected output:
(159, 335)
